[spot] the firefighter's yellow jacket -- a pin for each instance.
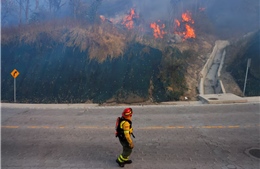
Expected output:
(128, 130)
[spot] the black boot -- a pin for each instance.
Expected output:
(120, 164)
(128, 162)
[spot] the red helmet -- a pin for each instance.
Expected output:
(127, 112)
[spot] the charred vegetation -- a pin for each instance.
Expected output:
(118, 55)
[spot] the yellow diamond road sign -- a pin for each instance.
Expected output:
(15, 73)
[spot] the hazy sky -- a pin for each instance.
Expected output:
(224, 14)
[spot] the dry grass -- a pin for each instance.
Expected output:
(101, 42)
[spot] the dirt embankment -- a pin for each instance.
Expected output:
(234, 70)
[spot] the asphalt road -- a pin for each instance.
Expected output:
(167, 137)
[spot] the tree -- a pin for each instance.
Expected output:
(36, 5)
(27, 6)
(55, 5)
(173, 10)
(75, 7)
(93, 10)
(24, 6)
(8, 11)
(20, 11)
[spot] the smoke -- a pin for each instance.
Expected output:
(228, 17)
(152, 11)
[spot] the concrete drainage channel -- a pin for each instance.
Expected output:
(213, 98)
(253, 152)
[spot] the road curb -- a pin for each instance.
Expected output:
(227, 98)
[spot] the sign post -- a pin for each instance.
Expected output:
(248, 65)
(15, 74)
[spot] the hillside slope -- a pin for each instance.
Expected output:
(244, 48)
(68, 64)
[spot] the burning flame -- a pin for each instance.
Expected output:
(128, 20)
(189, 32)
(186, 17)
(177, 23)
(158, 31)
(183, 27)
(102, 18)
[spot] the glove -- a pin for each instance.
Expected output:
(131, 145)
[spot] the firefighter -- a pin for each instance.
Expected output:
(124, 134)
